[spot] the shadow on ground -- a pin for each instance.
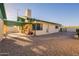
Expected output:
(46, 45)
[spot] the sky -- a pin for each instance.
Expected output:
(65, 14)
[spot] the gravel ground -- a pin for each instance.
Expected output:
(57, 44)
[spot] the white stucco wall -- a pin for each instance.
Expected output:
(1, 29)
(13, 29)
(42, 32)
(51, 29)
(71, 29)
(1, 26)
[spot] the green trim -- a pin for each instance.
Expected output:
(33, 19)
(30, 20)
(2, 11)
(20, 19)
(12, 23)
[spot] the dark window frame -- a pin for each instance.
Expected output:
(56, 27)
(37, 26)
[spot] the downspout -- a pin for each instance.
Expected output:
(47, 28)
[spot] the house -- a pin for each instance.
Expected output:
(36, 26)
(27, 25)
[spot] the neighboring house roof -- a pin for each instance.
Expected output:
(33, 19)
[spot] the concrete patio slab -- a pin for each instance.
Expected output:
(57, 44)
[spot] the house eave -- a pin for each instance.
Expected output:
(34, 19)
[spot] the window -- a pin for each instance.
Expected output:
(56, 27)
(36, 26)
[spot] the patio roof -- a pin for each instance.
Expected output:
(9, 23)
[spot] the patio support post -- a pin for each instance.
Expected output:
(35, 29)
